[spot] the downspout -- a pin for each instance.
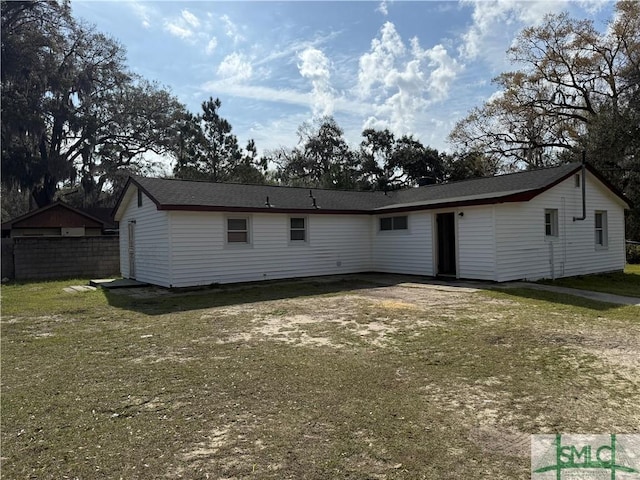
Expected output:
(584, 189)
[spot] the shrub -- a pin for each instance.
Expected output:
(633, 253)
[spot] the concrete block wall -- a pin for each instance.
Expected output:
(44, 258)
(7, 258)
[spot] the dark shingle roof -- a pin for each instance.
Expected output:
(173, 194)
(532, 181)
(185, 193)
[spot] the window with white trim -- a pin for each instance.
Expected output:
(298, 229)
(237, 230)
(600, 223)
(394, 223)
(551, 222)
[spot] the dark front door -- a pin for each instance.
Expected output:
(446, 243)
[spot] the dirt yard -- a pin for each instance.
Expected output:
(364, 378)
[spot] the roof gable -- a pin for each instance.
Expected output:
(56, 215)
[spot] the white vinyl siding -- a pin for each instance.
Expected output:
(151, 241)
(405, 251)
(336, 244)
(523, 253)
(476, 243)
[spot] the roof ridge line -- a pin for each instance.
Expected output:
(209, 182)
(539, 169)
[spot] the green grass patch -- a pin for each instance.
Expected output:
(305, 380)
(48, 298)
(625, 283)
(632, 269)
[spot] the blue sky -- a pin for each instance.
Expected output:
(415, 67)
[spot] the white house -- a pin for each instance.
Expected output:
(547, 223)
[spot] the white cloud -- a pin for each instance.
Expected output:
(190, 18)
(143, 12)
(231, 29)
(211, 46)
(315, 67)
(376, 64)
(383, 8)
(184, 26)
(495, 96)
(491, 17)
(292, 49)
(177, 30)
(402, 84)
(593, 6)
(256, 92)
(445, 70)
(282, 95)
(235, 68)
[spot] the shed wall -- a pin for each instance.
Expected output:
(151, 241)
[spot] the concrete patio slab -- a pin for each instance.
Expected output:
(110, 283)
(599, 296)
(79, 289)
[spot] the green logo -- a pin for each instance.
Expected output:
(585, 457)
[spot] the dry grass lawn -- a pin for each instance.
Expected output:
(349, 379)
(625, 283)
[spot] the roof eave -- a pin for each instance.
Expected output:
(116, 213)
